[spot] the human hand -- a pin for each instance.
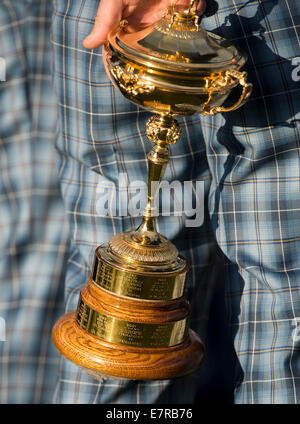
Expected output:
(111, 12)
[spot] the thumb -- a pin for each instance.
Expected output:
(108, 17)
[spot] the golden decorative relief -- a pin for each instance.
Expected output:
(122, 246)
(184, 23)
(223, 83)
(177, 57)
(182, 30)
(130, 82)
(158, 131)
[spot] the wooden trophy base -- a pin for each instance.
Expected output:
(106, 360)
(115, 337)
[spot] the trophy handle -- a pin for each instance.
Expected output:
(247, 89)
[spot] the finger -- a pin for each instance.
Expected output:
(143, 12)
(108, 17)
(201, 7)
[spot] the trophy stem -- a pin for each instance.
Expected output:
(162, 131)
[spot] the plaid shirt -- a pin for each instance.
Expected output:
(249, 160)
(34, 231)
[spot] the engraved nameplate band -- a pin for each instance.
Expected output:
(137, 285)
(135, 334)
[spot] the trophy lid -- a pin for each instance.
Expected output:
(176, 42)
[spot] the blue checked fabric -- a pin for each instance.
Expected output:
(248, 160)
(33, 229)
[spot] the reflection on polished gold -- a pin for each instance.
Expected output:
(177, 57)
(135, 299)
(182, 68)
(127, 283)
(134, 334)
(130, 81)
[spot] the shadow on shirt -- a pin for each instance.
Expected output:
(272, 104)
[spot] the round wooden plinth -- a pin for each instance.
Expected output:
(101, 358)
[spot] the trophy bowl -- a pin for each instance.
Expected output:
(174, 67)
(132, 319)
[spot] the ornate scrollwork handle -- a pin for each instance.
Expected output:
(223, 82)
(131, 82)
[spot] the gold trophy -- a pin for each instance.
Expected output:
(132, 319)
